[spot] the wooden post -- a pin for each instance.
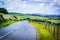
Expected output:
(57, 33)
(45, 25)
(54, 32)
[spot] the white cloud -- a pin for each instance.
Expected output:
(40, 0)
(23, 7)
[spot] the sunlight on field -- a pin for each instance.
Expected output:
(43, 34)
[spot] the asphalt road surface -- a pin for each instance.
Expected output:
(19, 31)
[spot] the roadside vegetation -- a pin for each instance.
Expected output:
(42, 33)
(47, 29)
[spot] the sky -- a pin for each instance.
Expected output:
(32, 6)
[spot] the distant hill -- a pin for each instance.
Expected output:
(14, 13)
(36, 14)
(45, 15)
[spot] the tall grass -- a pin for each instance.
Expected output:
(42, 33)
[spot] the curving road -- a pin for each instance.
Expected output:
(18, 31)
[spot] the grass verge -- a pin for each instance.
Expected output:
(42, 33)
(6, 23)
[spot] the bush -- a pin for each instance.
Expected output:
(15, 17)
(48, 22)
(4, 11)
(36, 20)
(21, 19)
(28, 18)
(10, 19)
(58, 24)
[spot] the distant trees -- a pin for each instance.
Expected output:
(3, 10)
(36, 20)
(26, 19)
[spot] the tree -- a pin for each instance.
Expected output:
(14, 16)
(3, 10)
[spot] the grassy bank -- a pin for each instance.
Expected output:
(6, 23)
(6, 19)
(42, 33)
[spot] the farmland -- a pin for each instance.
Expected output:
(6, 19)
(47, 28)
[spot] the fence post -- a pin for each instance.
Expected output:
(45, 25)
(54, 32)
(57, 33)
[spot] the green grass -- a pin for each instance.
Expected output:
(9, 19)
(54, 21)
(42, 33)
(23, 16)
(6, 23)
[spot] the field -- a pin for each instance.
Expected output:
(6, 19)
(47, 28)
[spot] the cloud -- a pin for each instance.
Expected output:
(38, 0)
(35, 6)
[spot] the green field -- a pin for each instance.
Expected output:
(6, 23)
(6, 19)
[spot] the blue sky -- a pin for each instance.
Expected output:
(32, 6)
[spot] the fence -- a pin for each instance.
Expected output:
(53, 29)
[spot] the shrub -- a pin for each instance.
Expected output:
(58, 24)
(10, 19)
(14, 16)
(3, 10)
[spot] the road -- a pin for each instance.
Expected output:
(18, 31)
